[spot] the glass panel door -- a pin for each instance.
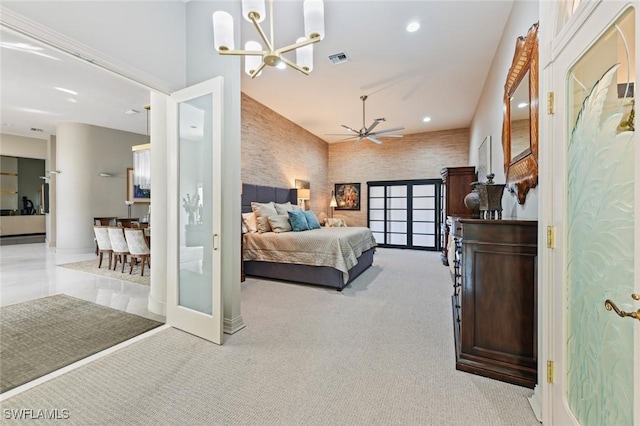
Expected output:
(600, 230)
(404, 214)
(194, 291)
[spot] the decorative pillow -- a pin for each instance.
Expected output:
(312, 220)
(298, 221)
(280, 223)
(283, 208)
(249, 223)
(335, 223)
(263, 224)
(263, 210)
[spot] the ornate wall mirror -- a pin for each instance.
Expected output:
(520, 125)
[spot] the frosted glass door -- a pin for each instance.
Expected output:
(600, 228)
(195, 299)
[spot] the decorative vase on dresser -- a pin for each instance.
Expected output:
(456, 184)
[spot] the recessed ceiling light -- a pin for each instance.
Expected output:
(413, 27)
(426, 119)
(69, 91)
(522, 104)
(132, 111)
(72, 100)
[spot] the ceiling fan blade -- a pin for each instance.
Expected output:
(357, 142)
(385, 136)
(349, 128)
(374, 140)
(393, 129)
(373, 125)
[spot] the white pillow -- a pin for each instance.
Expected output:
(263, 210)
(280, 223)
(249, 222)
(283, 208)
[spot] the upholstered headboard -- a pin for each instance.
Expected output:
(264, 194)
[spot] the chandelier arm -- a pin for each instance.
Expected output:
(294, 65)
(244, 52)
(297, 45)
(271, 23)
(256, 72)
(262, 34)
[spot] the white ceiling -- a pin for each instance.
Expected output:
(438, 71)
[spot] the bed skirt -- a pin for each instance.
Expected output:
(306, 274)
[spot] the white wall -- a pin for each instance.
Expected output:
(203, 63)
(146, 35)
(489, 112)
(21, 146)
(82, 152)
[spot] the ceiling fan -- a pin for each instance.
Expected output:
(367, 132)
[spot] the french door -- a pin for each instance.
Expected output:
(194, 296)
(404, 214)
(592, 159)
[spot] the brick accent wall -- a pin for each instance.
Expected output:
(417, 156)
(276, 151)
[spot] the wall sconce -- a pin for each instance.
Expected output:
(303, 195)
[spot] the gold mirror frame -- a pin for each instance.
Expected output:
(521, 172)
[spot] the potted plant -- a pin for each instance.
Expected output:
(194, 229)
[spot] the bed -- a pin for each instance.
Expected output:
(331, 257)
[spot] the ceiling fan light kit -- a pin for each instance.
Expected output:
(256, 58)
(367, 132)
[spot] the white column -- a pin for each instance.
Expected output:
(50, 164)
(159, 225)
(74, 230)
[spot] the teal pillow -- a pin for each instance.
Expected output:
(298, 220)
(312, 220)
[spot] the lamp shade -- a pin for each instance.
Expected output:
(253, 6)
(304, 55)
(222, 31)
(252, 62)
(304, 194)
(313, 18)
(333, 203)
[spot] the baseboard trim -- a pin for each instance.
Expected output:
(232, 326)
(534, 401)
(157, 307)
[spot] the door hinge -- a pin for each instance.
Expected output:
(550, 103)
(551, 237)
(550, 372)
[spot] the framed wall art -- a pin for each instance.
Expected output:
(347, 196)
(134, 192)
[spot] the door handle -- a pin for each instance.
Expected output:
(609, 305)
(215, 241)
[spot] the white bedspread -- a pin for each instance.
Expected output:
(338, 248)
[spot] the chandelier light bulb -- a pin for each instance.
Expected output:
(256, 7)
(304, 55)
(252, 62)
(313, 19)
(222, 31)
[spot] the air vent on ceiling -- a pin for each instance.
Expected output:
(34, 129)
(338, 58)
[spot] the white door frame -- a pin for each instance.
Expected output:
(553, 336)
(203, 325)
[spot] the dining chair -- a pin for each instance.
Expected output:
(119, 246)
(138, 248)
(103, 242)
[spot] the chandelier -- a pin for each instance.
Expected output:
(256, 58)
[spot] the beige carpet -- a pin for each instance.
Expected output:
(378, 353)
(91, 267)
(44, 335)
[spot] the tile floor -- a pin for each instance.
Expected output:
(30, 271)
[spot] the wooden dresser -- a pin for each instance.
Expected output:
(456, 184)
(495, 299)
